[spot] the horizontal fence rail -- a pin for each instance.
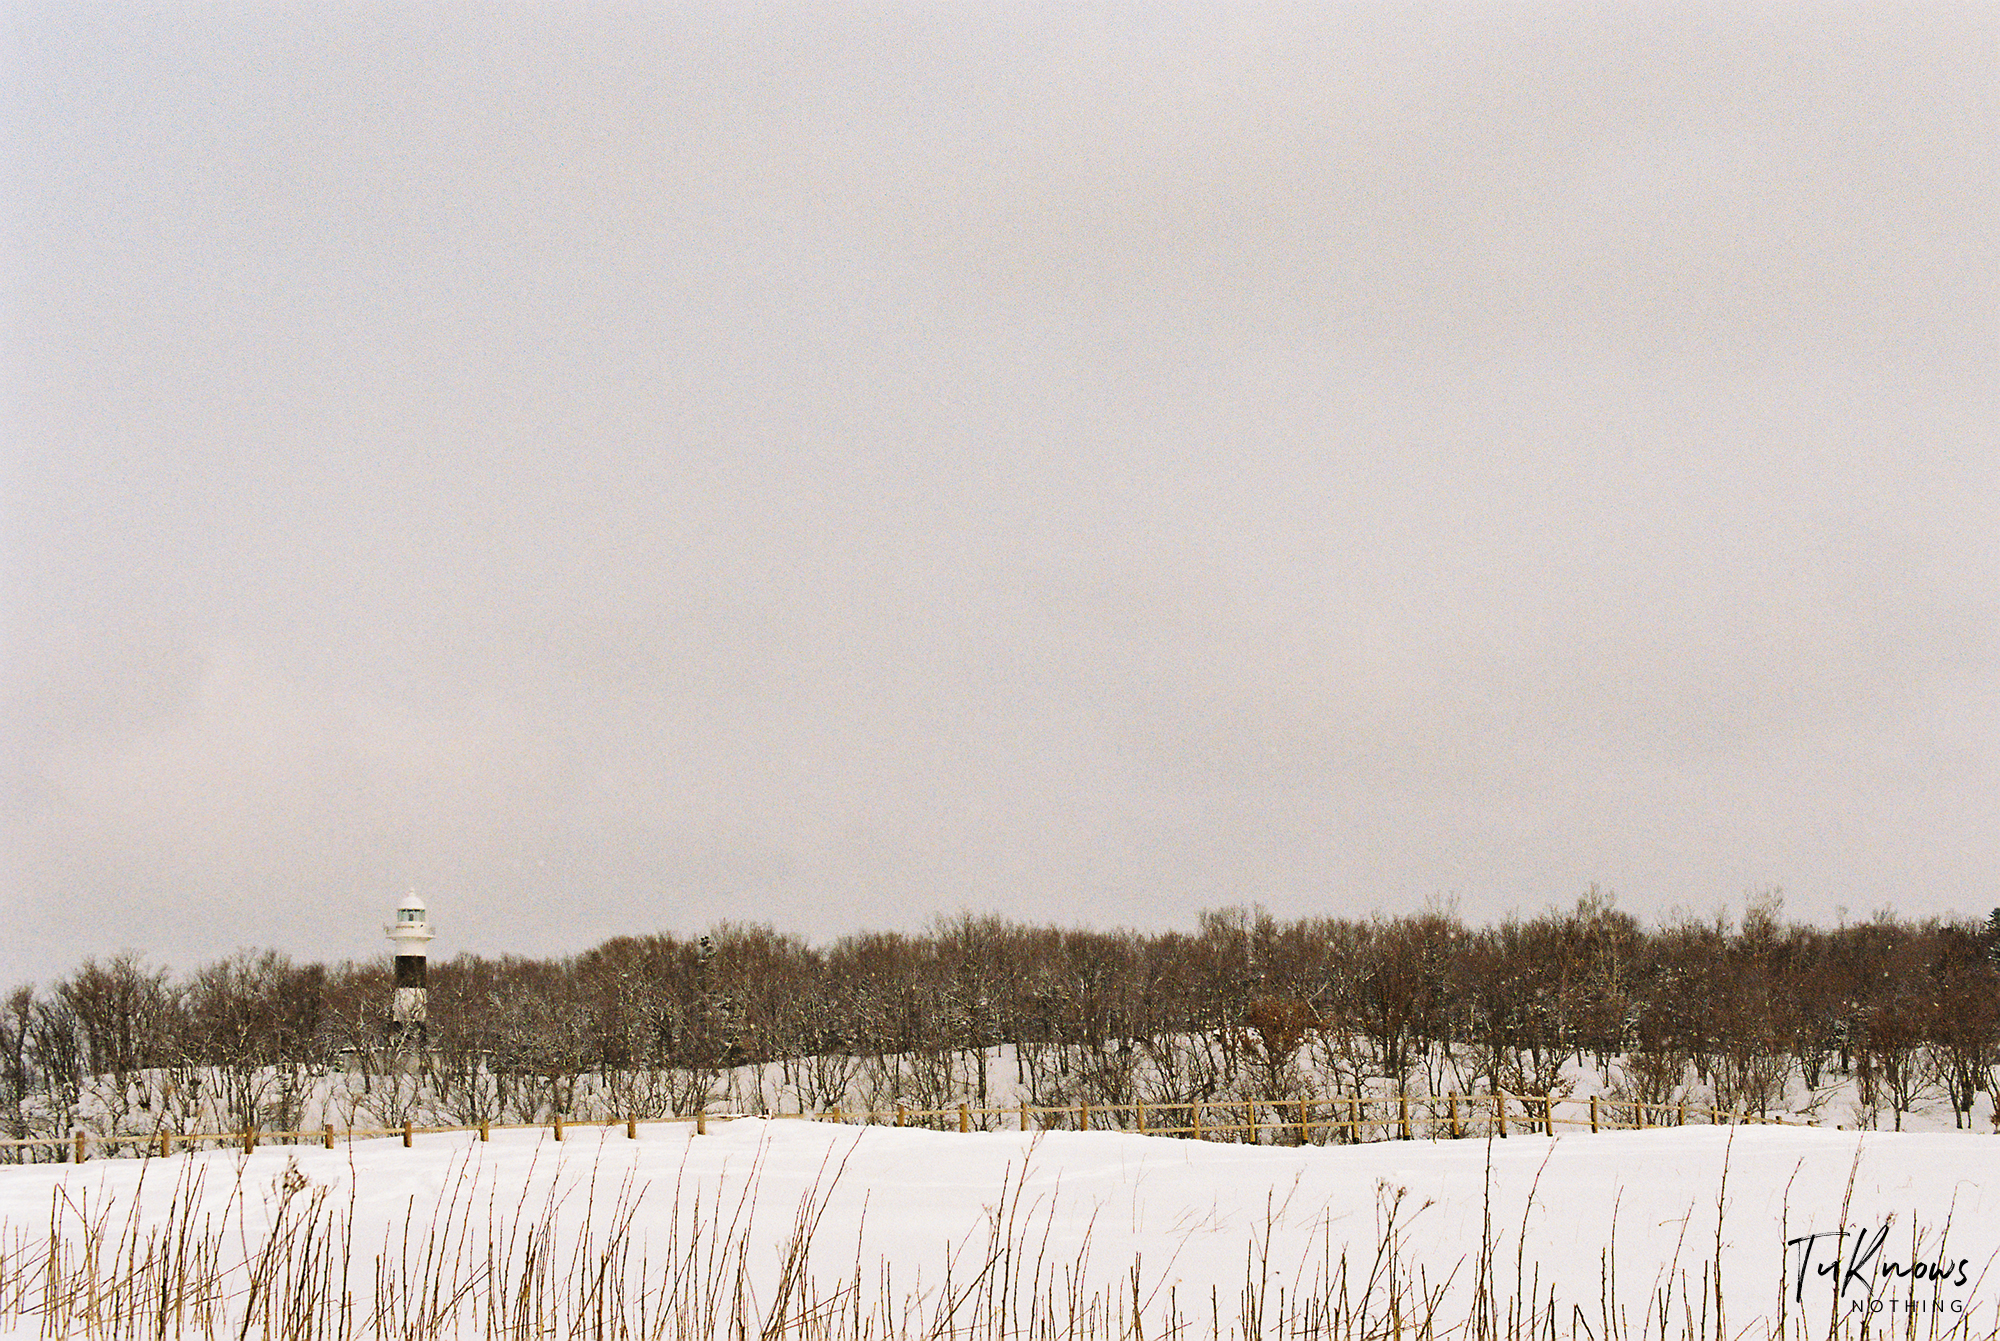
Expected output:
(1347, 1119)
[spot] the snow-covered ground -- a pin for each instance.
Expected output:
(934, 1233)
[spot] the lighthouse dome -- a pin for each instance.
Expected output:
(411, 923)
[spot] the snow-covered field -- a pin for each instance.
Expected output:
(762, 1227)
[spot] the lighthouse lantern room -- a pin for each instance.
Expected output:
(410, 933)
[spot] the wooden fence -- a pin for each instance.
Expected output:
(1348, 1119)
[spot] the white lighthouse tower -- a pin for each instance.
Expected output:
(410, 933)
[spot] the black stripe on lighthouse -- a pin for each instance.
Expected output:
(409, 970)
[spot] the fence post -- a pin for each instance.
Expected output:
(1456, 1130)
(631, 1127)
(1500, 1112)
(249, 1139)
(1684, 1113)
(82, 1148)
(409, 1130)
(1141, 1106)
(1305, 1123)
(901, 1113)
(1403, 1110)
(1196, 1124)
(701, 1121)
(1353, 1119)
(329, 1136)
(485, 1129)
(166, 1143)
(964, 1118)
(838, 1116)
(1593, 1114)
(559, 1134)
(1083, 1116)
(1024, 1115)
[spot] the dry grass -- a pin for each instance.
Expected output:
(289, 1261)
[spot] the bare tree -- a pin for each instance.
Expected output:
(1278, 1028)
(1751, 1013)
(1894, 1042)
(125, 1013)
(255, 1021)
(1961, 1014)
(16, 1077)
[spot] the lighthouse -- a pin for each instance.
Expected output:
(409, 933)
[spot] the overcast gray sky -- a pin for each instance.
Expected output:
(617, 468)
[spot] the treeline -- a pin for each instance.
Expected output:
(1728, 1010)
